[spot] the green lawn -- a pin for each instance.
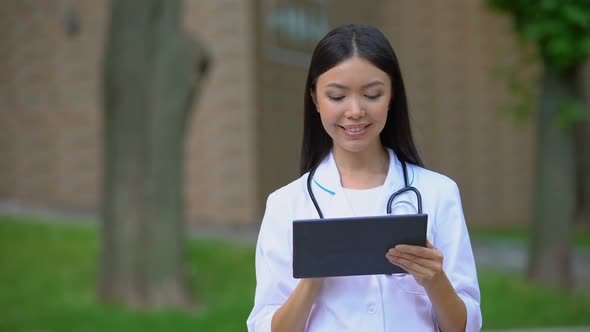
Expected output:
(48, 275)
(508, 301)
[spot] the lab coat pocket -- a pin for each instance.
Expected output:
(409, 284)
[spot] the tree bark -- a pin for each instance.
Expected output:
(554, 204)
(152, 73)
(582, 139)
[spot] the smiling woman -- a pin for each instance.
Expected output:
(357, 142)
(353, 100)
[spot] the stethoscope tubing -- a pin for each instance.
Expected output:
(389, 202)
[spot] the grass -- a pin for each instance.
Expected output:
(48, 278)
(509, 301)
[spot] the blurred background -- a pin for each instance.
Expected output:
(245, 136)
(465, 73)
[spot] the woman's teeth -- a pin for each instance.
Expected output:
(355, 129)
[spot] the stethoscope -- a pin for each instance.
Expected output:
(389, 202)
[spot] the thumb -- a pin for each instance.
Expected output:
(429, 245)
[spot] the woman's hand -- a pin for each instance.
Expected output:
(424, 263)
(293, 314)
(314, 284)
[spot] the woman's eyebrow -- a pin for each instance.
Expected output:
(377, 82)
(344, 87)
(337, 85)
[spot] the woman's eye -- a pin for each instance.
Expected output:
(373, 97)
(336, 98)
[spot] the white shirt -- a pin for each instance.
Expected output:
(364, 202)
(364, 303)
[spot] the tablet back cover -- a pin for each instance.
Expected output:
(353, 246)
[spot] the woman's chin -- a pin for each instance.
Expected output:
(354, 147)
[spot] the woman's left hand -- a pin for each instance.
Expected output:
(424, 263)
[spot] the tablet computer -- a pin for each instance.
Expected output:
(353, 246)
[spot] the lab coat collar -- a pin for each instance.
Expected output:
(327, 185)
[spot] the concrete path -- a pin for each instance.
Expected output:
(512, 256)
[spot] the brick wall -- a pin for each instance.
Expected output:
(244, 134)
(452, 54)
(50, 121)
(221, 151)
(27, 99)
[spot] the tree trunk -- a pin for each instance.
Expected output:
(151, 75)
(554, 205)
(582, 138)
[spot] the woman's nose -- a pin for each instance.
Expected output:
(355, 109)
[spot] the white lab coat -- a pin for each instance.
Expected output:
(364, 303)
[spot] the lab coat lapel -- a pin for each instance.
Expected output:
(327, 188)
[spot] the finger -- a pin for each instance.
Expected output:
(394, 255)
(398, 253)
(429, 245)
(390, 258)
(417, 251)
(430, 264)
(393, 251)
(414, 268)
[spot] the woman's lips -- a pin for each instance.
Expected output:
(355, 130)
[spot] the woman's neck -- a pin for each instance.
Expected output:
(362, 170)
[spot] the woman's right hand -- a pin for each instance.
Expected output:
(315, 284)
(293, 314)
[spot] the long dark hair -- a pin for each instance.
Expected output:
(369, 44)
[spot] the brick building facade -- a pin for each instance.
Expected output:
(245, 131)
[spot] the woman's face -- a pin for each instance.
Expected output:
(353, 100)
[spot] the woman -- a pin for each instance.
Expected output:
(356, 137)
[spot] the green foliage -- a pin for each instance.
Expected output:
(571, 111)
(48, 278)
(559, 29)
(523, 93)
